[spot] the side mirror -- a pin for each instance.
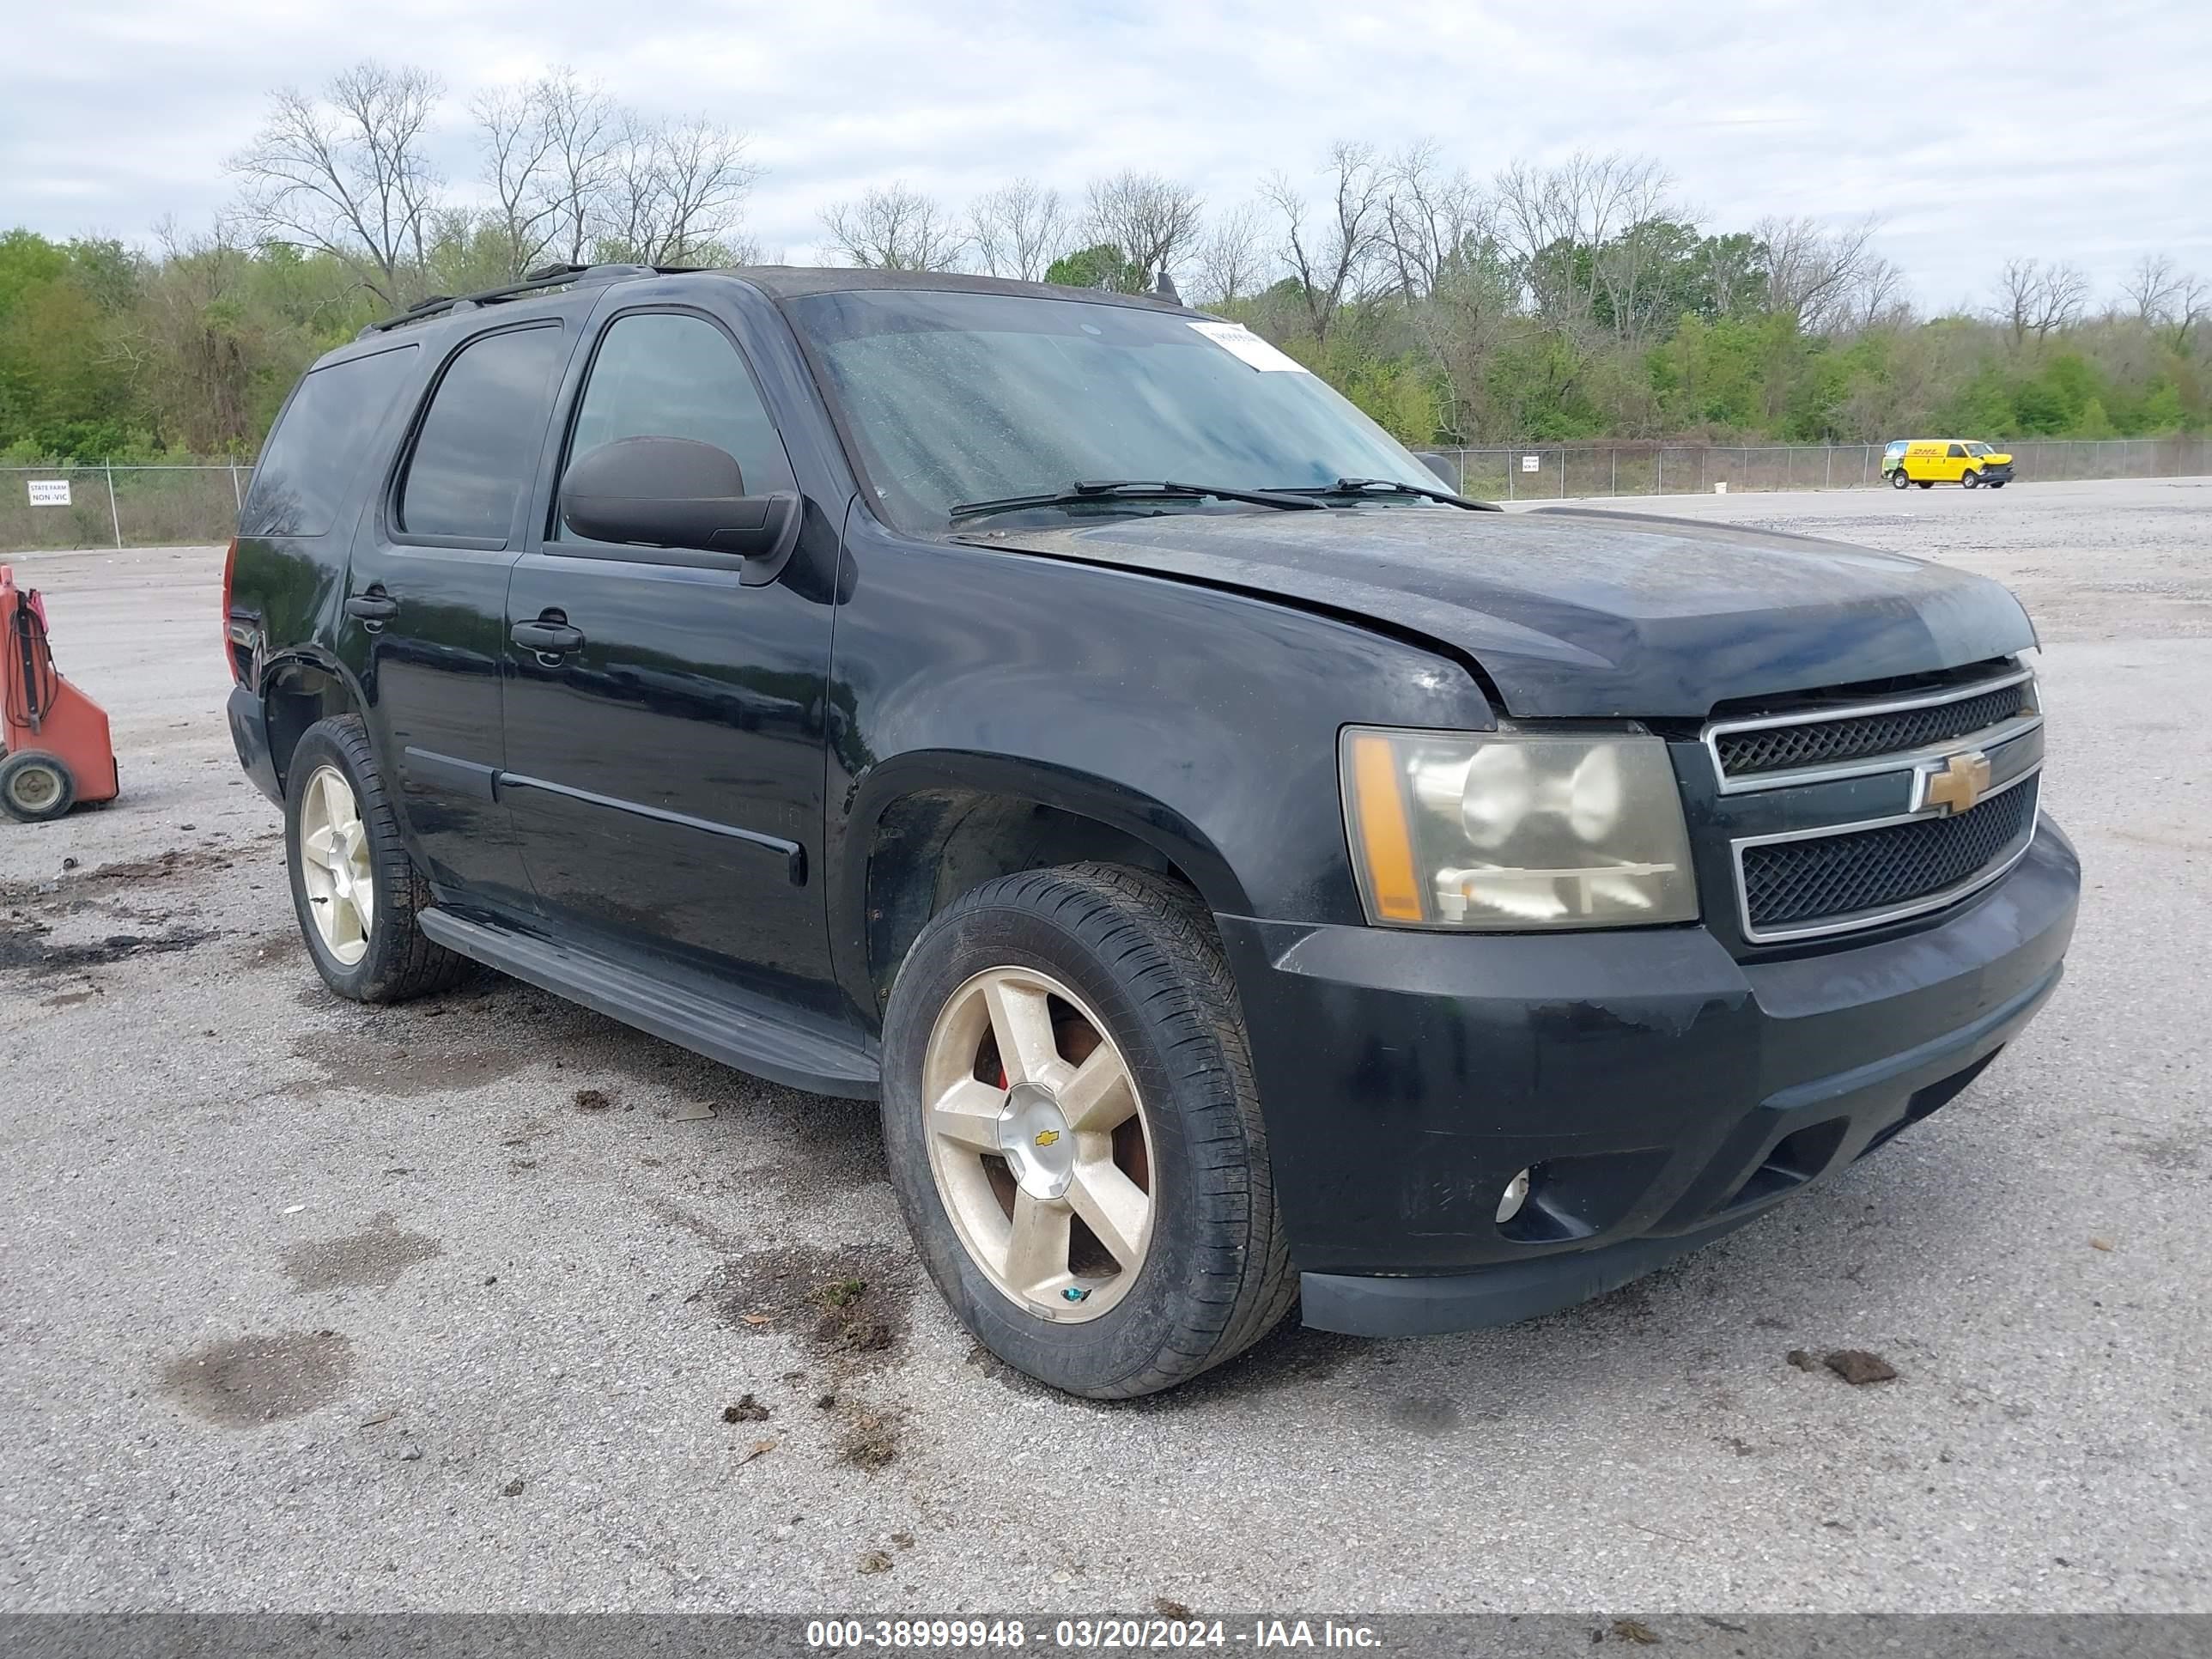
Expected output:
(675, 492)
(1443, 467)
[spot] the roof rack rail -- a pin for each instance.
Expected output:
(441, 305)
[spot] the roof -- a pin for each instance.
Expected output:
(798, 281)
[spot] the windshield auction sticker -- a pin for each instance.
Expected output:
(1241, 340)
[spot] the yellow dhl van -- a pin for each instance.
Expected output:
(1931, 461)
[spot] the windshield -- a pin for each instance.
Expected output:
(1979, 449)
(960, 398)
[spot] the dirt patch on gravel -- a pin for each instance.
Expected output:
(366, 1260)
(25, 947)
(432, 1057)
(251, 1380)
(851, 1308)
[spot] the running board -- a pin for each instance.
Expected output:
(719, 1021)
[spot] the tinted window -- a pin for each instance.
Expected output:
(479, 443)
(660, 374)
(312, 455)
(1957, 452)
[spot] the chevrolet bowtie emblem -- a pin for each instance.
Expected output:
(1046, 1137)
(1961, 780)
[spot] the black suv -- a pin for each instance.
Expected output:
(1246, 872)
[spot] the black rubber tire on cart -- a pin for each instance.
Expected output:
(35, 786)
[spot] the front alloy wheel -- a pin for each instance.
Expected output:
(1038, 1144)
(1897, 480)
(1072, 1125)
(335, 866)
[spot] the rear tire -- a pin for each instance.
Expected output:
(1181, 1173)
(356, 892)
(35, 786)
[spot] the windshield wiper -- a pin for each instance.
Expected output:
(1136, 489)
(1358, 487)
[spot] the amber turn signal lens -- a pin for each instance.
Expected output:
(1385, 843)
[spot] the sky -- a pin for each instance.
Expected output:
(2075, 132)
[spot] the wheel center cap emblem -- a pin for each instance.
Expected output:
(1033, 1137)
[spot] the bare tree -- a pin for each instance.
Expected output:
(1815, 274)
(518, 157)
(2033, 298)
(701, 177)
(1018, 230)
(1232, 259)
(1332, 254)
(584, 136)
(1429, 217)
(2190, 305)
(346, 172)
(671, 194)
(2151, 288)
(892, 228)
(1152, 220)
(1879, 295)
(1552, 220)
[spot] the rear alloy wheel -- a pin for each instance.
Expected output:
(334, 866)
(1898, 481)
(35, 786)
(354, 887)
(1074, 1134)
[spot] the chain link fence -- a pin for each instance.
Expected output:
(1539, 471)
(70, 506)
(63, 507)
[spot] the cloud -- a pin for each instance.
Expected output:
(2037, 129)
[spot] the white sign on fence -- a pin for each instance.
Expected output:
(49, 492)
(1529, 463)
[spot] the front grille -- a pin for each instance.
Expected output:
(1823, 743)
(1791, 885)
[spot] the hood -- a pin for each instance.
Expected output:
(1580, 613)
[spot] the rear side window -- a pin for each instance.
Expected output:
(311, 457)
(663, 374)
(479, 444)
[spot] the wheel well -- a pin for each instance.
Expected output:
(933, 846)
(298, 695)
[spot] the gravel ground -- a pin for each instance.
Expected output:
(442, 1306)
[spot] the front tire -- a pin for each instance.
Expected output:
(1970, 479)
(1898, 481)
(1074, 1133)
(354, 888)
(35, 786)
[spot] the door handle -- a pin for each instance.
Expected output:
(373, 606)
(547, 639)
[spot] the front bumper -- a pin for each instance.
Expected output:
(1996, 473)
(1662, 1091)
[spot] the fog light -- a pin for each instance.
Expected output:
(1514, 1195)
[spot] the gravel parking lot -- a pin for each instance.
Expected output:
(489, 1301)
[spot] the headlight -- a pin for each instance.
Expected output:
(1513, 830)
